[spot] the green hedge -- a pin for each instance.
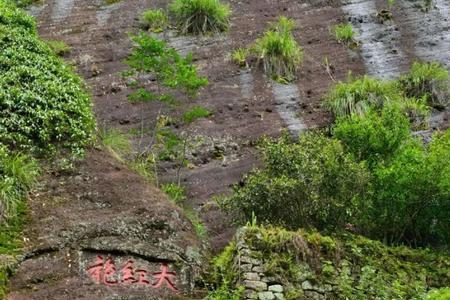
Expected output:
(43, 104)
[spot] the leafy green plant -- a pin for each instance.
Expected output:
(44, 106)
(315, 179)
(153, 56)
(344, 34)
(429, 81)
(200, 16)
(278, 51)
(439, 294)
(357, 96)
(239, 56)
(195, 113)
(154, 20)
(59, 47)
(175, 192)
(374, 137)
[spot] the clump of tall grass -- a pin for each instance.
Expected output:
(154, 20)
(278, 51)
(116, 142)
(429, 81)
(239, 56)
(345, 34)
(200, 16)
(357, 96)
(17, 174)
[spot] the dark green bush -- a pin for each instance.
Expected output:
(200, 16)
(312, 183)
(411, 199)
(375, 136)
(42, 103)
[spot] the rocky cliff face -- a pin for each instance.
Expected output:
(99, 231)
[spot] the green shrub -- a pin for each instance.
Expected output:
(344, 33)
(429, 81)
(17, 173)
(357, 96)
(154, 20)
(439, 294)
(200, 16)
(278, 51)
(13, 17)
(375, 136)
(175, 192)
(195, 113)
(44, 106)
(153, 56)
(59, 47)
(312, 183)
(411, 195)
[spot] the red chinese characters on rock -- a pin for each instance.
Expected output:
(104, 272)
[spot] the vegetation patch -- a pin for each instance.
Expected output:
(307, 265)
(195, 113)
(43, 110)
(200, 16)
(59, 47)
(154, 20)
(344, 34)
(44, 106)
(278, 51)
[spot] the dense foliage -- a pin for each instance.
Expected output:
(43, 105)
(312, 183)
(200, 16)
(352, 266)
(372, 175)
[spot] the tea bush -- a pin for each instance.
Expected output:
(312, 183)
(374, 137)
(43, 105)
(200, 16)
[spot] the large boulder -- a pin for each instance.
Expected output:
(101, 232)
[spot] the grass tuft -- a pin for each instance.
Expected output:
(345, 34)
(116, 142)
(195, 113)
(200, 16)
(279, 52)
(239, 56)
(154, 20)
(59, 47)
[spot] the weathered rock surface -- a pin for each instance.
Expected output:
(101, 232)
